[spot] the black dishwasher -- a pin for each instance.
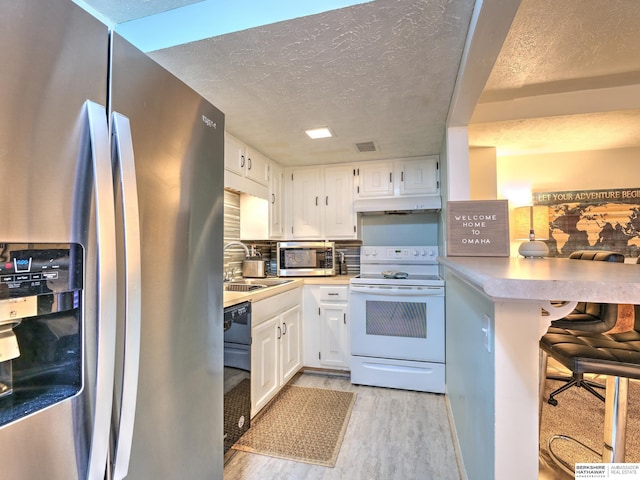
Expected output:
(237, 372)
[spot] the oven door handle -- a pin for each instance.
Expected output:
(398, 291)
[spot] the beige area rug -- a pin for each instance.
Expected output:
(301, 424)
(580, 415)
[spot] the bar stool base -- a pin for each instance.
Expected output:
(560, 462)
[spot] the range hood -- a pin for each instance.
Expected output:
(392, 205)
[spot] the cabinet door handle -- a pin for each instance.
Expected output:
(345, 318)
(242, 161)
(402, 176)
(326, 200)
(284, 328)
(279, 333)
(249, 163)
(316, 201)
(273, 199)
(390, 177)
(332, 294)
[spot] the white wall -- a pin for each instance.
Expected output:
(483, 173)
(520, 175)
(596, 169)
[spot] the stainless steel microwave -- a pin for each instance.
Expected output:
(306, 259)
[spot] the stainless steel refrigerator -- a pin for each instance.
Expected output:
(110, 257)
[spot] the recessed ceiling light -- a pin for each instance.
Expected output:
(323, 132)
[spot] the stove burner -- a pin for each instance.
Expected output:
(392, 274)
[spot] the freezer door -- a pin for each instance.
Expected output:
(53, 61)
(177, 140)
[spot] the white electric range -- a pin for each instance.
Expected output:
(396, 308)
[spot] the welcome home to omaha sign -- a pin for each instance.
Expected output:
(478, 228)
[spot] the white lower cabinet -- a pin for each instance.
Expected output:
(290, 348)
(276, 345)
(264, 364)
(334, 336)
(326, 326)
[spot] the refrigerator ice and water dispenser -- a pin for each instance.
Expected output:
(40, 326)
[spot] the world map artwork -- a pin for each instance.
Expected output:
(593, 220)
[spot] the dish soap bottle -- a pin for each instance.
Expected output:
(343, 265)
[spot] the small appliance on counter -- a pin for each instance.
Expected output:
(342, 266)
(254, 267)
(306, 259)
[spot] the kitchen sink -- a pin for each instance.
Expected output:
(249, 284)
(241, 287)
(266, 282)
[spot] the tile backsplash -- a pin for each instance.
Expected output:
(234, 255)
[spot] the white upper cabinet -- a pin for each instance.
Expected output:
(234, 155)
(321, 203)
(257, 166)
(375, 179)
(276, 203)
(246, 170)
(392, 178)
(418, 176)
(339, 216)
(306, 212)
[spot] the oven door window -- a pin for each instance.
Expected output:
(396, 319)
(406, 327)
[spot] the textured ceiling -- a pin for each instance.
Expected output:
(382, 71)
(566, 79)
(565, 133)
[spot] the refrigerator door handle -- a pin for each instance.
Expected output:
(124, 169)
(106, 288)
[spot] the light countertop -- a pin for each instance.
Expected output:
(513, 278)
(233, 298)
(335, 280)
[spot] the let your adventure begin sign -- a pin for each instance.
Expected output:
(478, 228)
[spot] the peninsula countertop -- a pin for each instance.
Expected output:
(495, 374)
(511, 278)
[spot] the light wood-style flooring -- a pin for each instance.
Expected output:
(392, 434)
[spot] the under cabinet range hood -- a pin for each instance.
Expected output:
(396, 205)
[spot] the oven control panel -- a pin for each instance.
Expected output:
(405, 254)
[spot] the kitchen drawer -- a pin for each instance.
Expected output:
(268, 308)
(334, 294)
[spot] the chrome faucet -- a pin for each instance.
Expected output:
(230, 275)
(239, 244)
